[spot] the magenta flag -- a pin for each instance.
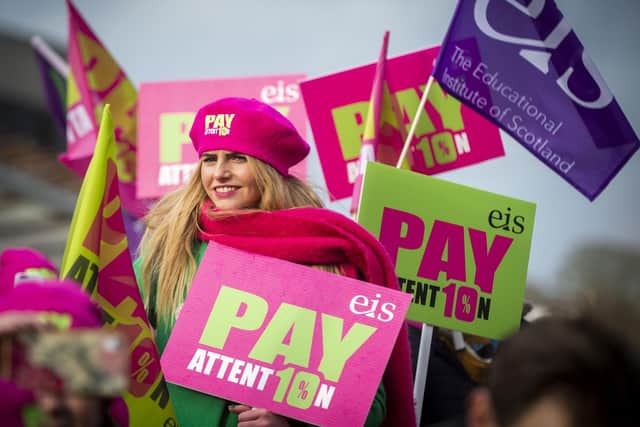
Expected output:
(96, 79)
(380, 142)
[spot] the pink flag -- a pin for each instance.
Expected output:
(379, 142)
(94, 80)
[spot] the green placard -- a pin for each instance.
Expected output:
(462, 252)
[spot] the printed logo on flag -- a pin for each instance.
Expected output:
(218, 124)
(581, 72)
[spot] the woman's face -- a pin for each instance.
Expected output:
(228, 180)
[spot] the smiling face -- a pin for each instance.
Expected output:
(228, 180)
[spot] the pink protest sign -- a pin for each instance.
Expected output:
(448, 135)
(166, 110)
(300, 342)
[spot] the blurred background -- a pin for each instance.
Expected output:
(575, 242)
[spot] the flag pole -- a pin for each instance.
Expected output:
(427, 331)
(370, 137)
(426, 335)
(422, 365)
(414, 123)
(50, 55)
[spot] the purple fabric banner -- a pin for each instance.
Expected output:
(134, 227)
(55, 87)
(524, 68)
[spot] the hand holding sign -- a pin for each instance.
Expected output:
(247, 414)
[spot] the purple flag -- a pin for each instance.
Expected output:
(55, 87)
(524, 68)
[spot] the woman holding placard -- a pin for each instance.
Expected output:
(242, 195)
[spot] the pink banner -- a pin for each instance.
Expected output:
(313, 348)
(166, 110)
(95, 79)
(81, 123)
(448, 135)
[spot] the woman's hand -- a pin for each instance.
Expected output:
(256, 417)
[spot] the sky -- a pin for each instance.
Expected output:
(159, 40)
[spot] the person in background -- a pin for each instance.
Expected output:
(18, 264)
(40, 306)
(459, 363)
(580, 369)
(242, 195)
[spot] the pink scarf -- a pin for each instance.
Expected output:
(315, 236)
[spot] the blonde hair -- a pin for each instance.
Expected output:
(167, 246)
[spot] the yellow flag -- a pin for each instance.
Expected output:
(97, 256)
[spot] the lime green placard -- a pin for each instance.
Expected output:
(462, 252)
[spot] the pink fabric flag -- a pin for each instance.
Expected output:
(379, 142)
(94, 80)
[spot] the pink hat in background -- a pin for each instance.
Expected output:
(65, 303)
(21, 264)
(250, 127)
(62, 297)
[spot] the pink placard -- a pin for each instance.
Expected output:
(448, 135)
(300, 342)
(166, 158)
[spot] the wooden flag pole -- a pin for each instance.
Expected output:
(426, 336)
(50, 55)
(414, 123)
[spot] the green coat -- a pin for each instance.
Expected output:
(196, 409)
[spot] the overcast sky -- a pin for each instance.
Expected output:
(169, 40)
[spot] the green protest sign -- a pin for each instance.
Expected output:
(462, 252)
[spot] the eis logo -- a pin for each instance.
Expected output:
(560, 47)
(218, 124)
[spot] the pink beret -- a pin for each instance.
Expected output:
(250, 127)
(17, 264)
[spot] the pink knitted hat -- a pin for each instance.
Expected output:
(250, 127)
(73, 308)
(63, 297)
(19, 264)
